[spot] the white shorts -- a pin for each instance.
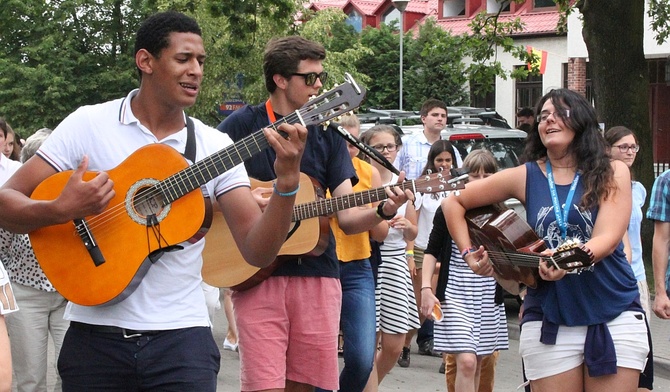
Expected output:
(629, 333)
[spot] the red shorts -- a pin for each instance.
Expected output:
(288, 329)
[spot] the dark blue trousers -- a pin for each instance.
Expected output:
(177, 360)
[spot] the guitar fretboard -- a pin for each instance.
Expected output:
(324, 207)
(212, 166)
(337, 101)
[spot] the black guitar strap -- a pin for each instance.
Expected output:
(189, 153)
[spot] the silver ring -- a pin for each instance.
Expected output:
(477, 262)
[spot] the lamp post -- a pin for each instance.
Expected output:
(400, 5)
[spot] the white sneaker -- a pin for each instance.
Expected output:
(229, 346)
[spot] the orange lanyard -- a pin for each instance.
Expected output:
(271, 113)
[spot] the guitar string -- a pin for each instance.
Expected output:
(101, 220)
(178, 178)
(324, 206)
(520, 259)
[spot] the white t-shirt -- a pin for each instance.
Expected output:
(169, 296)
(7, 168)
(426, 205)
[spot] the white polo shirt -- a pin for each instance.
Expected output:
(169, 296)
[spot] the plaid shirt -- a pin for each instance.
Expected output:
(659, 207)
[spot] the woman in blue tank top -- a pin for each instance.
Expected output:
(581, 331)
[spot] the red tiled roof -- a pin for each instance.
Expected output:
(367, 7)
(322, 5)
(534, 23)
(371, 7)
(426, 7)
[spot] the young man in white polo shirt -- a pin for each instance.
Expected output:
(158, 337)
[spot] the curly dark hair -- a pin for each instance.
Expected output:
(588, 146)
(283, 55)
(154, 33)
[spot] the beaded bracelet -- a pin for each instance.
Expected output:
(285, 194)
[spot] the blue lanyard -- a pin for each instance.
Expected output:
(561, 219)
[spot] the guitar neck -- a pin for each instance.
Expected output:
(328, 206)
(333, 103)
(203, 171)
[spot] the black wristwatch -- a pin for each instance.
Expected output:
(380, 211)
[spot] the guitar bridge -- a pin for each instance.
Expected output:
(89, 242)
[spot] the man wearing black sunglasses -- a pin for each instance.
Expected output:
(288, 324)
(310, 77)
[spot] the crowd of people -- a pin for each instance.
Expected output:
(388, 264)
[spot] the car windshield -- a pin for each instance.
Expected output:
(507, 151)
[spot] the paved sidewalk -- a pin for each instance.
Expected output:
(422, 375)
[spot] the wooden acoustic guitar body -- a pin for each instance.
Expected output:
(120, 232)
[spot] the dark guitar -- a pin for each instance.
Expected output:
(224, 266)
(514, 248)
(98, 259)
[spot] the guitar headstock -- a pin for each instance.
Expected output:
(333, 103)
(573, 256)
(438, 182)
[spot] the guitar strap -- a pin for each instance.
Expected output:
(189, 153)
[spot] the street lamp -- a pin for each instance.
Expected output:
(400, 5)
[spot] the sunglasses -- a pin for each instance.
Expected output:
(310, 77)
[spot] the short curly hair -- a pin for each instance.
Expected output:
(154, 33)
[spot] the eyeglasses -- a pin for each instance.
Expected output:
(310, 77)
(545, 115)
(625, 147)
(388, 147)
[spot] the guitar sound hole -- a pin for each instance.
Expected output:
(148, 202)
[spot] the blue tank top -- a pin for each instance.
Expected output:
(591, 297)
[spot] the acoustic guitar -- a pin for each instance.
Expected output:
(158, 204)
(514, 248)
(224, 266)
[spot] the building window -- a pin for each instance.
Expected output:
(493, 6)
(657, 71)
(528, 90)
(588, 82)
(487, 100)
(543, 3)
(355, 20)
(453, 8)
(391, 15)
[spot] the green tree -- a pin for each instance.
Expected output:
(436, 68)
(343, 45)
(382, 66)
(59, 55)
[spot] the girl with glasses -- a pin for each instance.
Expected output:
(397, 312)
(581, 332)
(624, 147)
